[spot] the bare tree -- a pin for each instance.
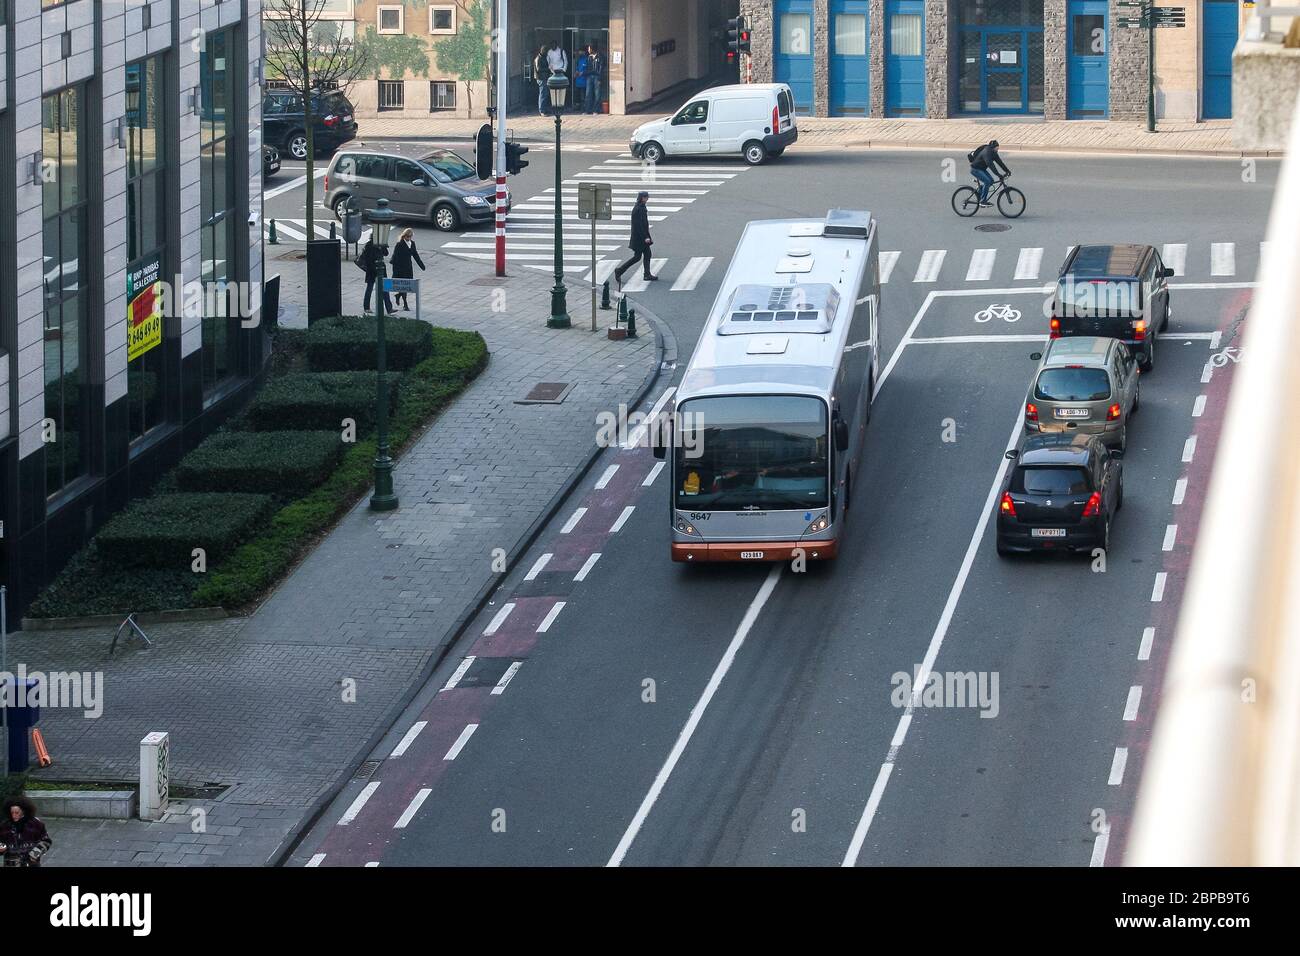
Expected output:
(309, 54)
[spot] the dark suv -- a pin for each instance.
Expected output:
(284, 126)
(1117, 291)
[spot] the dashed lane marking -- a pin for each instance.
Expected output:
(1171, 532)
(461, 669)
(537, 567)
(1180, 490)
(622, 519)
(1158, 589)
(1144, 648)
(359, 803)
(1133, 702)
(654, 473)
(461, 741)
(604, 479)
(573, 521)
(507, 677)
(551, 615)
(587, 566)
(500, 618)
(1117, 765)
(409, 813)
(411, 734)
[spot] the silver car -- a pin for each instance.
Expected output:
(1087, 385)
(437, 187)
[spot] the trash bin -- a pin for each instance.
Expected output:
(22, 717)
(352, 219)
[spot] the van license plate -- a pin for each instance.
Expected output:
(1073, 413)
(1047, 532)
(751, 555)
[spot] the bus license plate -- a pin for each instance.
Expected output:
(1047, 532)
(751, 555)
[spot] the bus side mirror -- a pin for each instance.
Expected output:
(841, 433)
(661, 435)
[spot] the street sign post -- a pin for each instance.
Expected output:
(1143, 14)
(406, 287)
(595, 202)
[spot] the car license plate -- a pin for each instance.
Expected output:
(1073, 413)
(348, 118)
(1047, 532)
(751, 555)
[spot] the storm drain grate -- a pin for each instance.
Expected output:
(546, 393)
(992, 227)
(366, 770)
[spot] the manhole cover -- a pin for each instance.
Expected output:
(992, 227)
(546, 393)
(296, 255)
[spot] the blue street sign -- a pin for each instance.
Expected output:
(402, 285)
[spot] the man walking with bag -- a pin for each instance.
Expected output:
(640, 242)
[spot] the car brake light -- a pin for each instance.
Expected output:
(1139, 329)
(1031, 412)
(1007, 506)
(1112, 413)
(331, 120)
(1056, 327)
(325, 183)
(1093, 507)
(776, 121)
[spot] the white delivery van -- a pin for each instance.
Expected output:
(753, 120)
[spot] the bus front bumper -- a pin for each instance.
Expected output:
(755, 551)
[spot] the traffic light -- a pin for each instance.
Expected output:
(513, 161)
(735, 27)
(742, 43)
(483, 152)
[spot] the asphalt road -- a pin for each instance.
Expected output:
(653, 714)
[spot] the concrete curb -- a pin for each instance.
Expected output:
(664, 340)
(87, 804)
(113, 620)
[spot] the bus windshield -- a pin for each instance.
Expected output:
(751, 453)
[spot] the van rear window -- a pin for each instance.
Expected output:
(1099, 297)
(783, 104)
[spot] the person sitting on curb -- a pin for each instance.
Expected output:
(23, 837)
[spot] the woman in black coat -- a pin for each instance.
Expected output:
(23, 838)
(370, 259)
(403, 256)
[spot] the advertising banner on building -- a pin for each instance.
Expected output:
(144, 303)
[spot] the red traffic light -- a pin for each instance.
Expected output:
(744, 36)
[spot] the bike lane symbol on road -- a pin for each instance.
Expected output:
(1004, 312)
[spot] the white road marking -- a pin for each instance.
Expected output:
(541, 207)
(410, 811)
(537, 567)
(573, 521)
(639, 283)
(1171, 532)
(551, 615)
(1158, 588)
(603, 480)
(516, 246)
(622, 519)
(411, 734)
(507, 677)
(637, 434)
(1175, 256)
(654, 473)
(587, 566)
(1207, 373)
(1198, 406)
(1180, 489)
(932, 652)
(291, 185)
(1223, 258)
(460, 672)
(1134, 700)
(993, 339)
(288, 230)
(499, 619)
(1099, 846)
(359, 803)
(697, 712)
(1117, 766)
(1030, 261)
(931, 263)
(981, 265)
(1144, 648)
(691, 275)
(316, 859)
(1189, 448)
(1214, 339)
(461, 741)
(372, 865)
(887, 262)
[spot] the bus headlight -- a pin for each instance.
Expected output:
(685, 527)
(820, 524)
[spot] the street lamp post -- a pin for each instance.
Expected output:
(381, 224)
(558, 86)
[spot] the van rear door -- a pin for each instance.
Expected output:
(1095, 306)
(785, 110)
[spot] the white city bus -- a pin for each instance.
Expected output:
(771, 413)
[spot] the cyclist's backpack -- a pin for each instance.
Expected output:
(970, 157)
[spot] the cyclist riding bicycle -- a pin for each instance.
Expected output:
(982, 159)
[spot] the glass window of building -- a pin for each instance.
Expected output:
(217, 201)
(64, 233)
(146, 225)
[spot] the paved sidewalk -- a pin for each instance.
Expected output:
(1213, 137)
(259, 705)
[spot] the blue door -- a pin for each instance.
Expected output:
(1220, 36)
(793, 59)
(1087, 44)
(904, 58)
(850, 79)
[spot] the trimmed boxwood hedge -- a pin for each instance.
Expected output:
(349, 343)
(318, 400)
(284, 463)
(163, 531)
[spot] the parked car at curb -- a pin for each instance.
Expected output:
(284, 122)
(1084, 385)
(753, 120)
(270, 161)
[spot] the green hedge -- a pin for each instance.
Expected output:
(284, 463)
(459, 357)
(348, 343)
(89, 584)
(163, 531)
(318, 400)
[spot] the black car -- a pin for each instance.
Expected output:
(270, 161)
(333, 122)
(1060, 495)
(1115, 290)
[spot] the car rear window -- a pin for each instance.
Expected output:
(1073, 385)
(338, 103)
(1049, 480)
(1099, 297)
(783, 105)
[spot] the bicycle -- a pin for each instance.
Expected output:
(1010, 201)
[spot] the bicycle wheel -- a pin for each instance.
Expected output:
(965, 201)
(1011, 202)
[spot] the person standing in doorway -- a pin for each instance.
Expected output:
(557, 61)
(640, 242)
(595, 74)
(580, 81)
(403, 256)
(539, 74)
(372, 256)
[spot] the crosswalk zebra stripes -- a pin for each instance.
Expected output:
(295, 230)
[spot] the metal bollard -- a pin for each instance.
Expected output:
(621, 316)
(631, 323)
(271, 239)
(332, 235)
(604, 296)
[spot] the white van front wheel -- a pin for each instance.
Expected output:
(755, 152)
(652, 152)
